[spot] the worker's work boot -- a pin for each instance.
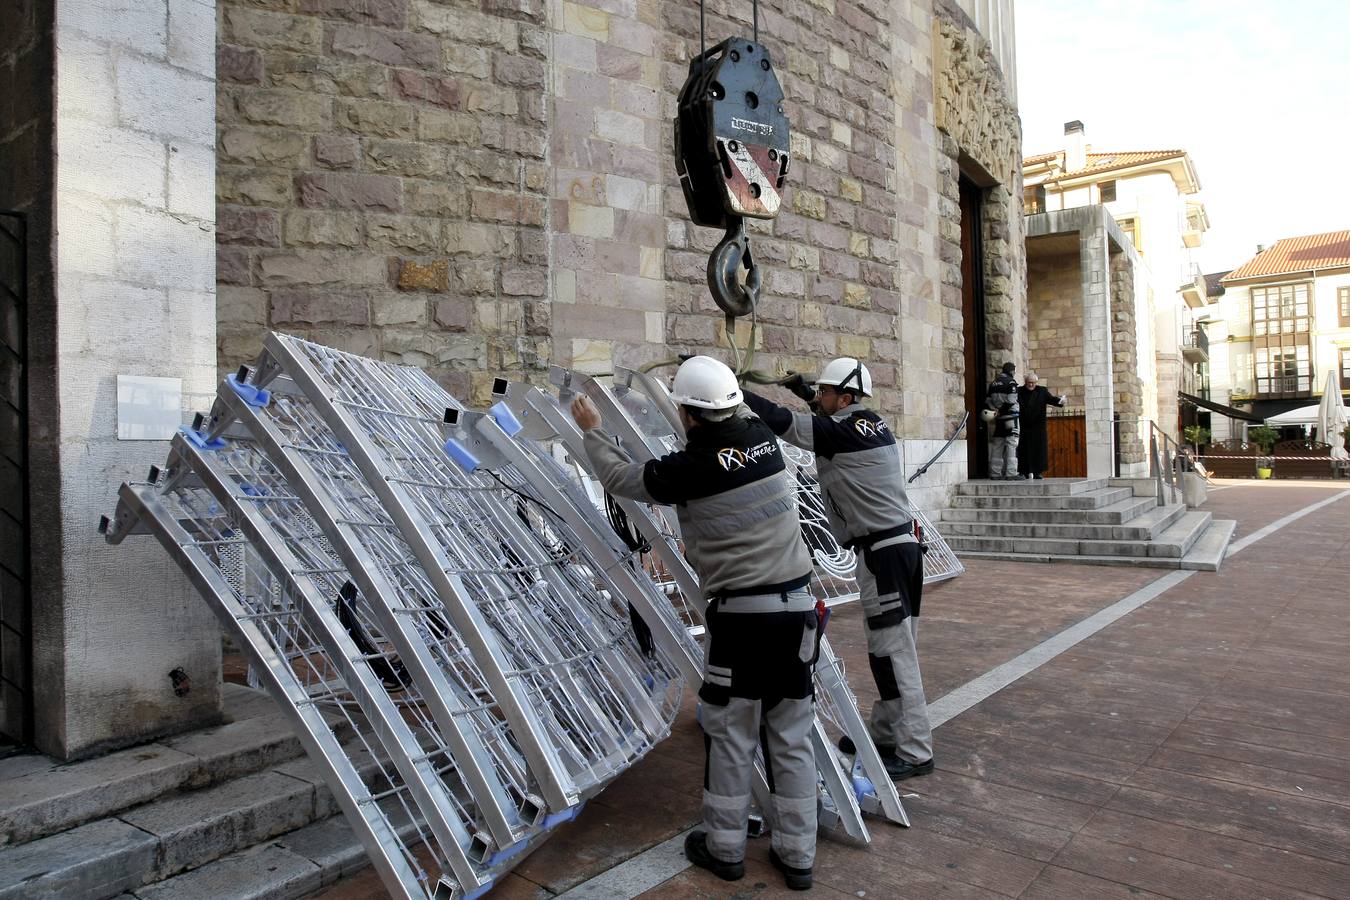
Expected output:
(899, 770)
(796, 879)
(697, 852)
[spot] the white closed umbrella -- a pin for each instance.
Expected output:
(1332, 418)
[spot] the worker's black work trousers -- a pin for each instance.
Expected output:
(758, 690)
(890, 585)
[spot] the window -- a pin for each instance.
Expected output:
(1283, 370)
(1131, 229)
(1345, 369)
(1108, 190)
(1343, 301)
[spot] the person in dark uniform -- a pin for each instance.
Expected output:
(734, 498)
(1002, 400)
(1032, 450)
(861, 481)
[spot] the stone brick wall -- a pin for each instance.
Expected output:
(481, 188)
(832, 259)
(976, 109)
(134, 186)
(1129, 401)
(1055, 323)
(382, 183)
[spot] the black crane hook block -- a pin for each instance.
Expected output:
(732, 154)
(731, 135)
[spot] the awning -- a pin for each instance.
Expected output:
(1229, 411)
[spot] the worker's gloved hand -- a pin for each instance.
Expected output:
(796, 382)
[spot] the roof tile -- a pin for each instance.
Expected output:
(1329, 250)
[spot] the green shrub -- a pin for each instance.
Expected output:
(1264, 437)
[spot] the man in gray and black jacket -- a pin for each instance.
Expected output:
(861, 481)
(734, 498)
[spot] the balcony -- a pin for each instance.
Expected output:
(1197, 223)
(1195, 292)
(1195, 347)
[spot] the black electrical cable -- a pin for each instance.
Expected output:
(559, 548)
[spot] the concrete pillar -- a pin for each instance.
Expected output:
(134, 266)
(1098, 377)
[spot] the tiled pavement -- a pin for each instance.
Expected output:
(1197, 747)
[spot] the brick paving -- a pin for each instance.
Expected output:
(1198, 747)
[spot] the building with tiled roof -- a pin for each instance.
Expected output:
(1286, 318)
(1151, 195)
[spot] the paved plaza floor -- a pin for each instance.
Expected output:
(1193, 742)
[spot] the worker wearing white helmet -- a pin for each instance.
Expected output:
(861, 481)
(734, 498)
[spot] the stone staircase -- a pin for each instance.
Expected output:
(232, 812)
(1094, 521)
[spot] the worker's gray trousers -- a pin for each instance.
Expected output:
(1003, 456)
(890, 585)
(758, 692)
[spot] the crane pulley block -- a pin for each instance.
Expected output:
(731, 135)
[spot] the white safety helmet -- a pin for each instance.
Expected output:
(847, 375)
(705, 383)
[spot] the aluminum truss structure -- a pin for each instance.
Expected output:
(462, 627)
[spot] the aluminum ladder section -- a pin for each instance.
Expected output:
(457, 695)
(273, 633)
(574, 721)
(256, 499)
(619, 420)
(876, 792)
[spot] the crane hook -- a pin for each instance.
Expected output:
(727, 258)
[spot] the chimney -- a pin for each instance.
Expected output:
(1075, 146)
(1260, 248)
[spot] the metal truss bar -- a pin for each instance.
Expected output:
(405, 751)
(501, 814)
(372, 827)
(513, 693)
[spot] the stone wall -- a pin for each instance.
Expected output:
(134, 201)
(382, 183)
(834, 269)
(485, 188)
(1129, 403)
(1055, 323)
(975, 108)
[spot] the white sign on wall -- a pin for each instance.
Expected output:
(148, 408)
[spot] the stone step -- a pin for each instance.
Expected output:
(1041, 487)
(292, 866)
(175, 834)
(1143, 527)
(1206, 553)
(1117, 513)
(1182, 535)
(1173, 541)
(40, 796)
(1086, 500)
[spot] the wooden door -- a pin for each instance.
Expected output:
(1066, 446)
(973, 327)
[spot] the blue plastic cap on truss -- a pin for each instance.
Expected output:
(461, 455)
(253, 396)
(198, 440)
(505, 418)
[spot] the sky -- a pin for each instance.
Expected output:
(1257, 92)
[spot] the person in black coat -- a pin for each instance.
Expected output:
(1032, 452)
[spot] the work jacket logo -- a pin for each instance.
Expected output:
(868, 428)
(733, 459)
